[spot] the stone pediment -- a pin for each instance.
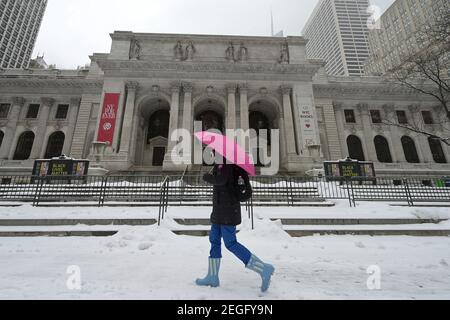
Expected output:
(158, 141)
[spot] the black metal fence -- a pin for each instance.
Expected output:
(163, 191)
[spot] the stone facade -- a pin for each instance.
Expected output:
(166, 82)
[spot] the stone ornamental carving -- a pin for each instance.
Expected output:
(243, 53)
(132, 85)
(209, 90)
(178, 51)
(190, 51)
(230, 55)
(186, 54)
(284, 55)
(48, 101)
(19, 101)
(135, 50)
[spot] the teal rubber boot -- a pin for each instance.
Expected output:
(263, 269)
(212, 279)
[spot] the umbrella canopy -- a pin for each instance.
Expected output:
(229, 149)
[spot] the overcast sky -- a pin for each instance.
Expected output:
(74, 29)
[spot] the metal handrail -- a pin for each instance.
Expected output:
(163, 200)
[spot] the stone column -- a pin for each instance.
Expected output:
(281, 127)
(332, 132)
(243, 90)
(173, 125)
(72, 119)
(188, 122)
(231, 112)
(422, 140)
(188, 118)
(10, 133)
(125, 140)
(39, 144)
(368, 133)
(398, 153)
(339, 113)
(288, 121)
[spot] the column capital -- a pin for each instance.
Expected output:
(389, 109)
(243, 87)
(75, 101)
(231, 88)
(18, 101)
(48, 102)
(175, 87)
(187, 87)
(286, 89)
(132, 85)
(363, 108)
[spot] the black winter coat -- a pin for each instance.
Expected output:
(226, 207)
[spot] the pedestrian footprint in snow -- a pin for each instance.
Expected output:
(231, 187)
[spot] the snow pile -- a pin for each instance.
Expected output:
(140, 238)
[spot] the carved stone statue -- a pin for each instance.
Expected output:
(135, 50)
(243, 53)
(190, 51)
(230, 53)
(284, 57)
(178, 50)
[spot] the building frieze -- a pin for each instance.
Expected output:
(351, 90)
(207, 67)
(38, 82)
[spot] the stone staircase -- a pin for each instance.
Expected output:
(295, 227)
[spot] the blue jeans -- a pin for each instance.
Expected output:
(228, 234)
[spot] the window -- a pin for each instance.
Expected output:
(61, 112)
(401, 117)
(1, 138)
(409, 147)
(355, 148)
(55, 145)
(376, 116)
(350, 116)
(427, 117)
(24, 146)
(437, 151)
(33, 111)
(4, 110)
(383, 150)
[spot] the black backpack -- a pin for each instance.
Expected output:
(241, 184)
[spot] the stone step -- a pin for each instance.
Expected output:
(30, 234)
(331, 232)
(326, 221)
(74, 222)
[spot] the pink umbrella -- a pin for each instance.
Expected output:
(229, 149)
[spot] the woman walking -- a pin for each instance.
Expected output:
(225, 217)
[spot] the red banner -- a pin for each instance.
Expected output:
(108, 118)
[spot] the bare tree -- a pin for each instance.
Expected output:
(427, 72)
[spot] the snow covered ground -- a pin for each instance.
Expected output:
(153, 263)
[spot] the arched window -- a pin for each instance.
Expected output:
(158, 125)
(382, 148)
(24, 146)
(355, 148)
(55, 145)
(211, 120)
(409, 147)
(437, 151)
(1, 138)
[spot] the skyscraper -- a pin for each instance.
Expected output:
(20, 21)
(338, 33)
(397, 39)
